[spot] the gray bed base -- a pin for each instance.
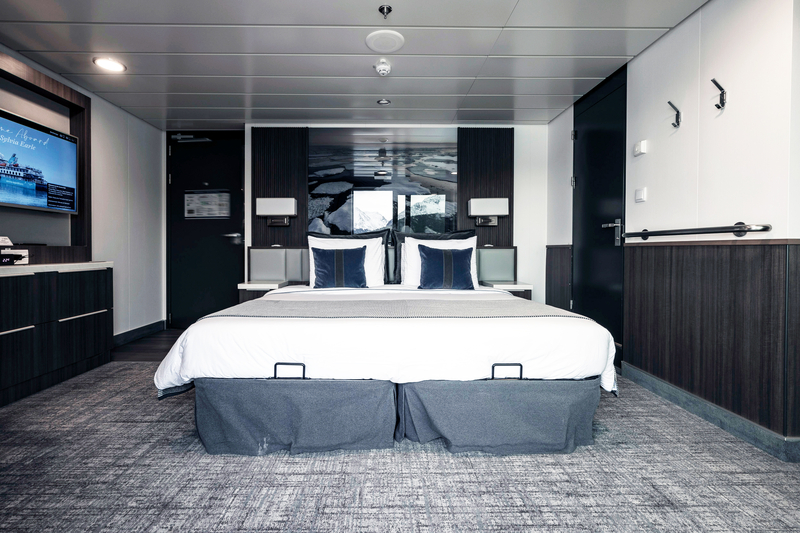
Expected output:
(260, 416)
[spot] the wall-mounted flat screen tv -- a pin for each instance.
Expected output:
(38, 166)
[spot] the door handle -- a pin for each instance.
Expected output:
(234, 235)
(236, 238)
(617, 225)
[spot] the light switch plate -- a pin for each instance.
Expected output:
(641, 195)
(639, 148)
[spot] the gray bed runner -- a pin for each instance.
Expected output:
(516, 308)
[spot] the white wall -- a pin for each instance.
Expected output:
(530, 205)
(559, 178)
(720, 166)
(128, 207)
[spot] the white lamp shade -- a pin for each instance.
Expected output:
(487, 207)
(276, 207)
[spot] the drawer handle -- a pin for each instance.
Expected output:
(81, 316)
(9, 332)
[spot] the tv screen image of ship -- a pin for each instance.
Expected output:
(38, 166)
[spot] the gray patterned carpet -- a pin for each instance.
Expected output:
(99, 453)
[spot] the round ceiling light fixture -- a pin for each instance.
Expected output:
(108, 63)
(385, 41)
(384, 101)
(383, 139)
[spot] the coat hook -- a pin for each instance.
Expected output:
(677, 123)
(721, 104)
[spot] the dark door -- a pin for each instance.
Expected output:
(598, 200)
(205, 223)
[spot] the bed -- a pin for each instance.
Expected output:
(389, 362)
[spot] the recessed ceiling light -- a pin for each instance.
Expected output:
(381, 173)
(109, 64)
(454, 173)
(385, 41)
(384, 101)
(383, 139)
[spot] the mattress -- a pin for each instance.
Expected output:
(400, 350)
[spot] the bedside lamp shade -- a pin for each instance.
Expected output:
(277, 209)
(486, 210)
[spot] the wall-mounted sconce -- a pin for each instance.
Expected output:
(722, 98)
(486, 210)
(277, 209)
(677, 123)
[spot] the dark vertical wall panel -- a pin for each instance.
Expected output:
(486, 170)
(280, 170)
(711, 320)
(558, 276)
(793, 342)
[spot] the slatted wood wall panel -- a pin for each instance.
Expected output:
(711, 320)
(81, 127)
(280, 170)
(486, 170)
(793, 343)
(558, 276)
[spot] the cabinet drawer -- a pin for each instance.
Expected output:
(83, 292)
(17, 356)
(19, 306)
(83, 337)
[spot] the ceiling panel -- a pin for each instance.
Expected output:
(195, 84)
(544, 101)
(513, 115)
(580, 42)
(605, 14)
(309, 12)
(237, 39)
(551, 67)
(134, 100)
(265, 65)
(504, 86)
(250, 114)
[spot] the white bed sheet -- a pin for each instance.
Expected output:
(397, 350)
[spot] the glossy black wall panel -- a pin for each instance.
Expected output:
(280, 170)
(711, 320)
(486, 170)
(558, 276)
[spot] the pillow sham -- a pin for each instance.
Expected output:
(399, 239)
(385, 234)
(445, 269)
(411, 269)
(339, 268)
(374, 256)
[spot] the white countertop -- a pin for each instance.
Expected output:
(508, 285)
(266, 285)
(16, 270)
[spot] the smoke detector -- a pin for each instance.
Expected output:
(385, 41)
(383, 68)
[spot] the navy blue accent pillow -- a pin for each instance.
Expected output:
(445, 269)
(384, 234)
(339, 268)
(399, 238)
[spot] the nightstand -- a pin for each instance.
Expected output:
(250, 290)
(522, 290)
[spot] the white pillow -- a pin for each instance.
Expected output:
(411, 263)
(374, 256)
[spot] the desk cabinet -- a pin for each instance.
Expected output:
(54, 325)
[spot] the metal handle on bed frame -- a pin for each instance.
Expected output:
(508, 364)
(275, 375)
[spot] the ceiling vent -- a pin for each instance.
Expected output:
(385, 41)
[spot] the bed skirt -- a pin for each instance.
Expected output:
(260, 416)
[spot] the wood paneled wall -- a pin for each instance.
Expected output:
(558, 276)
(80, 107)
(486, 170)
(280, 170)
(712, 320)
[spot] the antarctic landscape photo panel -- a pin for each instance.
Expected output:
(356, 185)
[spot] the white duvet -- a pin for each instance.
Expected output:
(397, 350)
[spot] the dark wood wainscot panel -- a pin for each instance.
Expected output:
(793, 343)
(711, 320)
(54, 327)
(558, 276)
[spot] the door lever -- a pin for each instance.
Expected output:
(236, 238)
(617, 225)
